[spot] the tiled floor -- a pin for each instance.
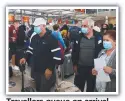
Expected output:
(29, 82)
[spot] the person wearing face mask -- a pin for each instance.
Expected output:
(86, 48)
(45, 51)
(104, 28)
(109, 55)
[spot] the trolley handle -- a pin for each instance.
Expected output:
(22, 67)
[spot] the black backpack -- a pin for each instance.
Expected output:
(74, 33)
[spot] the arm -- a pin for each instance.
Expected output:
(75, 53)
(10, 34)
(114, 67)
(111, 67)
(29, 51)
(61, 40)
(56, 53)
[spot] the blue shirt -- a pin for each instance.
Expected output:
(58, 36)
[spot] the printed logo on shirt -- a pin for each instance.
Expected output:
(44, 43)
(100, 41)
(77, 42)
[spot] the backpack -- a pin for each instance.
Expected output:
(74, 33)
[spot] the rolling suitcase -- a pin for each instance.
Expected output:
(67, 66)
(65, 86)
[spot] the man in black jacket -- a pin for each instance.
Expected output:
(86, 48)
(45, 50)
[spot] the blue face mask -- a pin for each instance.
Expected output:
(107, 45)
(37, 30)
(84, 30)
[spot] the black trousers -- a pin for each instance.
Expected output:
(12, 47)
(42, 84)
(85, 75)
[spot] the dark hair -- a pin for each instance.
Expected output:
(55, 27)
(76, 21)
(102, 29)
(65, 27)
(106, 26)
(111, 33)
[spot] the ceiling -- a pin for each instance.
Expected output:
(61, 13)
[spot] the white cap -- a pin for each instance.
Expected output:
(96, 28)
(39, 21)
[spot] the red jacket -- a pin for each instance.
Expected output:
(12, 33)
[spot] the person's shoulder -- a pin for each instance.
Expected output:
(34, 36)
(50, 37)
(101, 52)
(97, 34)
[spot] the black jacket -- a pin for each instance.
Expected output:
(76, 47)
(45, 52)
(21, 35)
(30, 32)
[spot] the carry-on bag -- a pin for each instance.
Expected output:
(65, 86)
(67, 66)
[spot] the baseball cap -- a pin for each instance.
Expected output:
(39, 21)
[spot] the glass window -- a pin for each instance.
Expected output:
(102, 10)
(113, 9)
(91, 11)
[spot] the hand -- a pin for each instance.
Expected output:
(22, 61)
(48, 73)
(75, 69)
(94, 72)
(107, 70)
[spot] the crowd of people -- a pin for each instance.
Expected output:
(44, 49)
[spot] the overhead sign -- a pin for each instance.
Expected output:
(25, 19)
(80, 10)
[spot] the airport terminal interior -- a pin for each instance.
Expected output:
(65, 19)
